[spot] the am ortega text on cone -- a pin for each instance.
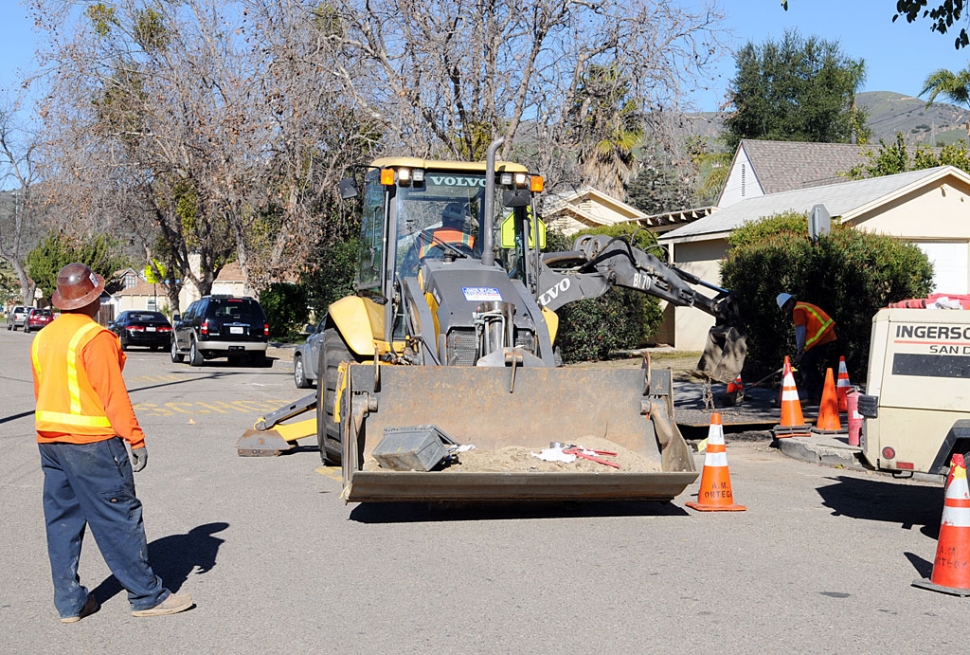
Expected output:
(951, 568)
(715, 493)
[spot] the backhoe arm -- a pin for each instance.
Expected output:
(598, 263)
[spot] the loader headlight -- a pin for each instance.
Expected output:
(521, 179)
(505, 179)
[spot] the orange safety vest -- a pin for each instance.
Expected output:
(66, 401)
(446, 234)
(819, 327)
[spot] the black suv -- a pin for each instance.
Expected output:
(221, 326)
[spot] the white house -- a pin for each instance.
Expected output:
(930, 208)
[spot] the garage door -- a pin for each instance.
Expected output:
(949, 261)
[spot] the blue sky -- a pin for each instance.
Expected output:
(898, 55)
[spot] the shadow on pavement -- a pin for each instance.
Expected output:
(878, 500)
(432, 512)
(924, 568)
(174, 557)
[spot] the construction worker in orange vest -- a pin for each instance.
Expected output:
(814, 331)
(452, 231)
(84, 418)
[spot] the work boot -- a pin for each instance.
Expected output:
(90, 607)
(174, 604)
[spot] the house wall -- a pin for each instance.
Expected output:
(701, 258)
(741, 182)
(937, 219)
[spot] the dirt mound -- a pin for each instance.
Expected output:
(518, 459)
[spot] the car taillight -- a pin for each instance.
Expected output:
(205, 328)
(164, 329)
(136, 328)
(265, 329)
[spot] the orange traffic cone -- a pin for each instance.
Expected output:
(951, 568)
(734, 393)
(792, 421)
(842, 386)
(828, 410)
(715, 493)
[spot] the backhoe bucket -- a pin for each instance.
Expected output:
(724, 354)
(494, 408)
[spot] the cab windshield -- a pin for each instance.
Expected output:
(447, 206)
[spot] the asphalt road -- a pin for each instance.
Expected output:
(821, 562)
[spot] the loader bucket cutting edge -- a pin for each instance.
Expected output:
(480, 406)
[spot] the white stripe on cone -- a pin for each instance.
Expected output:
(958, 517)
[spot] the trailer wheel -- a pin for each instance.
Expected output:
(333, 352)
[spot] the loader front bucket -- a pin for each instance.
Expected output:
(498, 408)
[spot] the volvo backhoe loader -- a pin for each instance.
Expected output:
(457, 337)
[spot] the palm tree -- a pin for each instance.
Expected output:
(952, 86)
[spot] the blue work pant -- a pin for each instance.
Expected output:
(92, 484)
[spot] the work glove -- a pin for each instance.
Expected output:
(139, 458)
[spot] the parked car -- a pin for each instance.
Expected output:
(16, 317)
(221, 326)
(37, 318)
(305, 358)
(142, 328)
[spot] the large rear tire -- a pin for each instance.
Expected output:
(333, 352)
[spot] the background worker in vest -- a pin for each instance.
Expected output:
(452, 231)
(814, 331)
(84, 417)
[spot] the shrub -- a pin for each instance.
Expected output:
(619, 319)
(329, 274)
(850, 274)
(285, 305)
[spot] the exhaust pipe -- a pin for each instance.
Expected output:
(488, 224)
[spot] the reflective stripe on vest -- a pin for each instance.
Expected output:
(447, 235)
(74, 417)
(823, 323)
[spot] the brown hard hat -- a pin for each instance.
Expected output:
(77, 286)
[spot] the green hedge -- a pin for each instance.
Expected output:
(619, 319)
(285, 305)
(850, 274)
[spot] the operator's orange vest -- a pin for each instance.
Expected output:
(66, 401)
(448, 235)
(819, 327)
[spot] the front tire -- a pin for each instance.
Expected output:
(176, 357)
(299, 373)
(333, 352)
(195, 357)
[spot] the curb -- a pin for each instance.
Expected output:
(826, 451)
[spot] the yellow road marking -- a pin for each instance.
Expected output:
(331, 472)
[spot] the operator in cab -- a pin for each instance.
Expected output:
(452, 231)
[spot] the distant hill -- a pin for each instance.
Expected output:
(893, 112)
(888, 113)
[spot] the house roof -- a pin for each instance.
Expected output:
(787, 165)
(567, 201)
(841, 200)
